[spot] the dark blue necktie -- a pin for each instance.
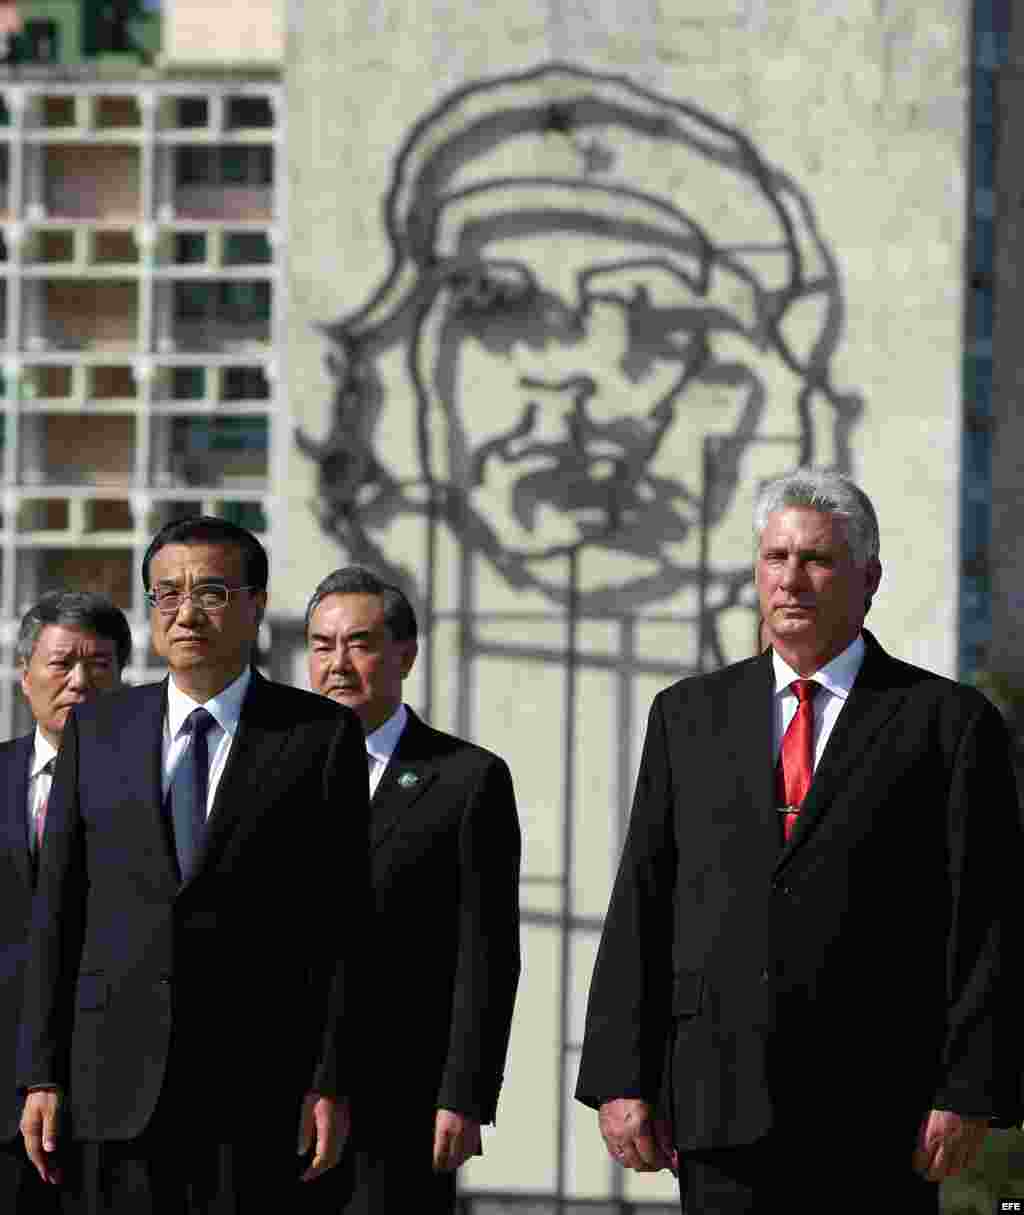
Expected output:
(189, 788)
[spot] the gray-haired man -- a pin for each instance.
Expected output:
(71, 645)
(802, 998)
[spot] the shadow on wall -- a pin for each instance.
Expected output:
(611, 313)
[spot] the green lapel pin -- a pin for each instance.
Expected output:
(408, 780)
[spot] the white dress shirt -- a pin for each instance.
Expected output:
(836, 679)
(225, 708)
(381, 744)
(39, 781)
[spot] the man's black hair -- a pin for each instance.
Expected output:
(208, 529)
(357, 580)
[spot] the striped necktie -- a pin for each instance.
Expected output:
(39, 816)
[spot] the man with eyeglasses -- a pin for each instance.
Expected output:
(71, 646)
(190, 1007)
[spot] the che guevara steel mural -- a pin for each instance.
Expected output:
(607, 315)
(602, 300)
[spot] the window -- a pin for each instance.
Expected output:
(239, 303)
(244, 514)
(249, 112)
(244, 384)
(110, 570)
(107, 27)
(189, 247)
(246, 249)
(188, 383)
(228, 165)
(239, 434)
(220, 451)
(192, 112)
(38, 42)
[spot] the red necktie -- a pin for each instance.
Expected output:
(796, 758)
(41, 823)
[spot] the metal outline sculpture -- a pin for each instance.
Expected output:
(359, 493)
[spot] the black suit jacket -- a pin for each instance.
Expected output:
(17, 881)
(235, 982)
(444, 854)
(867, 965)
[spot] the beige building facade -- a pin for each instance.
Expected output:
(567, 283)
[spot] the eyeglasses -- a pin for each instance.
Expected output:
(211, 597)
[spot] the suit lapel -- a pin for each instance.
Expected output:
(873, 700)
(733, 781)
(140, 758)
(15, 819)
(748, 725)
(410, 772)
(255, 747)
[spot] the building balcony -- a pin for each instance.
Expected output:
(89, 181)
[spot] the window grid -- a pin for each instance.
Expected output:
(140, 280)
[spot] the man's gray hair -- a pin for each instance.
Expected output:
(88, 611)
(832, 494)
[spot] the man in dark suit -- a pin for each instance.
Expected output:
(803, 997)
(71, 645)
(189, 1003)
(445, 933)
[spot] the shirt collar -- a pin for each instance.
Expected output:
(225, 707)
(836, 676)
(42, 752)
(382, 742)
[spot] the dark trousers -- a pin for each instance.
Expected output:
(200, 1154)
(388, 1167)
(186, 1176)
(798, 1176)
(21, 1190)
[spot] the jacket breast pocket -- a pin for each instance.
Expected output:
(687, 993)
(91, 993)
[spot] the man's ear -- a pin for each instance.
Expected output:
(411, 649)
(872, 577)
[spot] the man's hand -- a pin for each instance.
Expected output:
(39, 1127)
(635, 1138)
(947, 1144)
(331, 1120)
(456, 1138)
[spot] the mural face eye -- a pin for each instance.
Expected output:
(488, 290)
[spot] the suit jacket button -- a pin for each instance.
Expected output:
(764, 974)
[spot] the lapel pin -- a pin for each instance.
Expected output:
(408, 780)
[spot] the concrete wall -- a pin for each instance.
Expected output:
(607, 300)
